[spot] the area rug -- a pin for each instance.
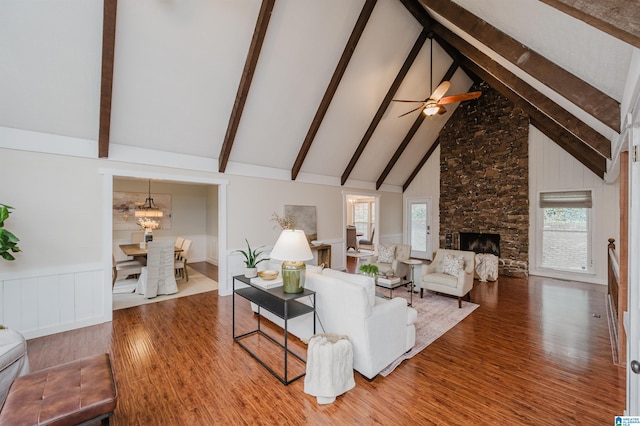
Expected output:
(123, 296)
(436, 315)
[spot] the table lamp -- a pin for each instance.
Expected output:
(293, 249)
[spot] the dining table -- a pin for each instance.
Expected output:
(139, 251)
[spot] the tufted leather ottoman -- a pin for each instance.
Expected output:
(68, 394)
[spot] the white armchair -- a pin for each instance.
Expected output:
(390, 257)
(446, 275)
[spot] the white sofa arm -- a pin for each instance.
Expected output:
(386, 332)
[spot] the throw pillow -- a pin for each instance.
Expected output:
(452, 265)
(386, 254)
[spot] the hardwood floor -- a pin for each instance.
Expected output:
(536, 352)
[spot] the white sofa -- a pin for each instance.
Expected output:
(380, 329)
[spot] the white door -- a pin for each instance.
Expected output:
(418, 233)
(633, 323)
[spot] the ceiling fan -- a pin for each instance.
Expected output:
(433, 104)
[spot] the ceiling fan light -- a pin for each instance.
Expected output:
(431, 109)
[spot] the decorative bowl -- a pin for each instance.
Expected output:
(268, 274)
(316, 243)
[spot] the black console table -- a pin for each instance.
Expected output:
(284, 305)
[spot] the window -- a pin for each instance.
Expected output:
(364, 217)
(566, 230)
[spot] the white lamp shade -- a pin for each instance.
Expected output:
(292, 244)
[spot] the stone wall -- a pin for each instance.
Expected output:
(484, 185)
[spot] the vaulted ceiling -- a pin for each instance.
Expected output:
(302, 89)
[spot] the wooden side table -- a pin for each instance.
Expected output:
(324, 254)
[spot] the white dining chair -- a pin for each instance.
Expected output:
(124, 268)
(179, 242)
(181, 260)
(158, 277)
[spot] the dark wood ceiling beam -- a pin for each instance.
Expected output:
(426, 157)
(106, 79)
(561, 136)
(358, 29)
(385, 103)
(619, 18)
(533, 97)
(250, 64)
(412, 131)
(586, 97)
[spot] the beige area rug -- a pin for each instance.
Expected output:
(123, 296)
(436, 315)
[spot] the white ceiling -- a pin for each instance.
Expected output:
(178, 65)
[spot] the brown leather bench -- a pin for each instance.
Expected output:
(78, 392)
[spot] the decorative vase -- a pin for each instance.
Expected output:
(148, 235)
(250, 272)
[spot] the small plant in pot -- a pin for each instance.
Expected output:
(367, 269)
(8, 241)
(251, 260)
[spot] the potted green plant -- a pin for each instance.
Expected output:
(367, 269)
(8, 241)
(251, 260)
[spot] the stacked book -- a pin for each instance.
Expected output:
(388, 280)
(267, 283)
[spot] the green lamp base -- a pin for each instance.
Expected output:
(293, 274)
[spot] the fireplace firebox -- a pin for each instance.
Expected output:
(480, 242)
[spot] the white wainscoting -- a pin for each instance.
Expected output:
(47, 302)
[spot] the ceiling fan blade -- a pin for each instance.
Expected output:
(440, 90)
(442, 110)
(415, 109)
(403, 100)
(458, 98)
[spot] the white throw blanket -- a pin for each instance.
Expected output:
(329, 367)
(487, 267)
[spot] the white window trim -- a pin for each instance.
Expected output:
(540, 229)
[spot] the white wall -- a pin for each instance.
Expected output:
(62, 280)
(552, 168)
(427, 184)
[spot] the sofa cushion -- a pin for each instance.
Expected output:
(360, 280)
(443, 279)
(452, 265)
(386, 254)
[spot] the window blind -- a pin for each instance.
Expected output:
(570, 199)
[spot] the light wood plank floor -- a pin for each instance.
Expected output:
(533, 353)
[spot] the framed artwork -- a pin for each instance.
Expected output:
(305, 217)
(124, 206)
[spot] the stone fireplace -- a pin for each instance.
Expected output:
(480, 243)
(484, 186)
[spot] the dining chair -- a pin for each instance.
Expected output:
(181, 260)
(158, 277)
(124, 268)
(351, 238)
(179, 242)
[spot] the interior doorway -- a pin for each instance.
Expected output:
(362, 211)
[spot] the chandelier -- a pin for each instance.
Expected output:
(148, 208)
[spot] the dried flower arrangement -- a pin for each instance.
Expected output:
(286, 222)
